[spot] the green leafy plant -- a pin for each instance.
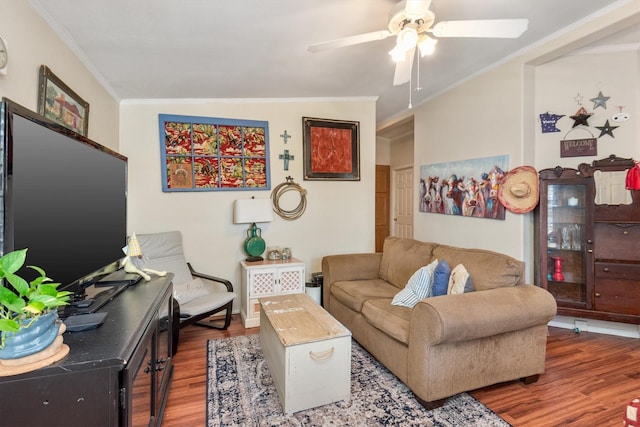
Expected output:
(22, 302)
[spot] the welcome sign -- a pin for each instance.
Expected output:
(579, 147)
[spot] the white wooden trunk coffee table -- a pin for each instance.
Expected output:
(307, 351)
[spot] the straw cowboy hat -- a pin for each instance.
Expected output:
(518, 190)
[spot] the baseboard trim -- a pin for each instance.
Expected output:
(597, 326)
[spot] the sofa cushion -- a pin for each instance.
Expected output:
(420, 286)
(489, 269)
(441, 278)
(390, 319)
(402, 257)
(353, 293)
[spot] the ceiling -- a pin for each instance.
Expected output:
(165, 49)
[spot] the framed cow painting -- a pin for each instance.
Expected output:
(463, 187)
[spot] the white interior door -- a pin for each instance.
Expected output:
(403, 202)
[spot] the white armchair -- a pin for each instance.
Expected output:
(199, 295)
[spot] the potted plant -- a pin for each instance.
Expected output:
(28, 310)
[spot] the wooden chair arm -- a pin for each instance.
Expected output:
(212, 278)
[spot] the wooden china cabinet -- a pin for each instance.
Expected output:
(588, 253)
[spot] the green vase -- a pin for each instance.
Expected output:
(254, 245)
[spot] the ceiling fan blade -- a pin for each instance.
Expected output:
(498, 28)
(403, 68)
(349, 41)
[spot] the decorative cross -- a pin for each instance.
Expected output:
(286, 157)
(285, 136)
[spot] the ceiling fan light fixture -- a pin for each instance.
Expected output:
(416, 9)
(398, 54)
(426, 45)
(407, 38)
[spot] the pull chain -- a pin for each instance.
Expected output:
(410, 92)
(418, 88)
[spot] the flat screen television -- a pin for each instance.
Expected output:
(64, 197)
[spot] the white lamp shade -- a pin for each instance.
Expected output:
(427, 45)
(407, 38)
(248, 211)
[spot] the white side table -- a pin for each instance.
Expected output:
(268, 278)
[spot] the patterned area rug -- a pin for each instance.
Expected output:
(240, 392)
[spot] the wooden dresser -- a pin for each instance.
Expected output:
(116, 375)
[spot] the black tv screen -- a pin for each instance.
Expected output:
(64, 196)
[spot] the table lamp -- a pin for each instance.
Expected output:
(251, 211)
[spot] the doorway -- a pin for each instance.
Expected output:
(403, 202)
(383, 205)
(395, 149)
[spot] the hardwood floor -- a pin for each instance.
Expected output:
(589, 380)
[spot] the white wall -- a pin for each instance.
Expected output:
(402, 152)
(339, 217)
(495, 113)
(31, 43)
(557, 85)
(463, 124)
(459, 124)
(383, 151)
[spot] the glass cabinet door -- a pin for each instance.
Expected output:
(565, 269)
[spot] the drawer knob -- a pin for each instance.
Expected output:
(590, 251)
(321, 355)
(606, 270)
(597, 294)
(625, 232)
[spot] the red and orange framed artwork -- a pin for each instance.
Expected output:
(331, 149)
(212, 154)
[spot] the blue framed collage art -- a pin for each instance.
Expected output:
(213, 154)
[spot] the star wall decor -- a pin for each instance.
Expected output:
(607, 129)
(548, 122)
(600, 101)
(580, 118)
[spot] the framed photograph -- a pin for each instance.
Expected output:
(58, 103)
(331, 149)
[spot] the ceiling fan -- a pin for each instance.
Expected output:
(412, 23)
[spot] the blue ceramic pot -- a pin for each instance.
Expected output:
(42, 332)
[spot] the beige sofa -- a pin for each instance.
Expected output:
(447, 344)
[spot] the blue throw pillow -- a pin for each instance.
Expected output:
(441, 278)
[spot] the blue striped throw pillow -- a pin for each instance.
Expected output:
(418, 287)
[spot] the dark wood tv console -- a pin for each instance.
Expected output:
(116, 375)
